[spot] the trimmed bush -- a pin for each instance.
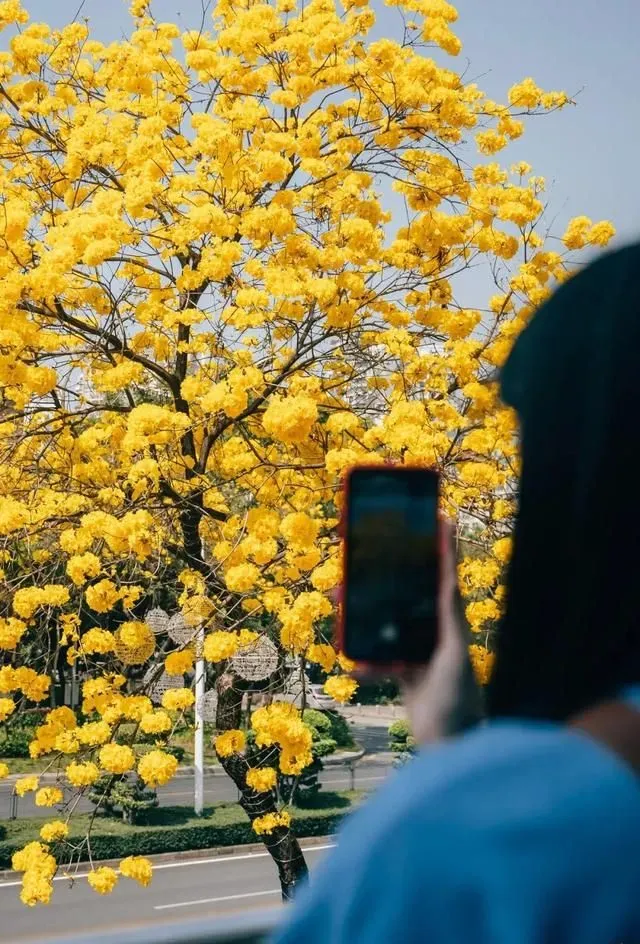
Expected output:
(176, 829)
(15, 742)
(318, 720)
(399, 730)
(402, 742)
(340, 730)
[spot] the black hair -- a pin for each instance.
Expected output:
(571, 632)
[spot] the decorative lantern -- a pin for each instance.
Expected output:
(257, 661)
(207, 706)
(157, 620)
(179, 630)
(295, 684)
(156, 685)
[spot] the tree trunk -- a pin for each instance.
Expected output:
(281, 844)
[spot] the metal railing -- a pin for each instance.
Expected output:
(255, 927)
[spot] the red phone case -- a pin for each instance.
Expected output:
(366, 668)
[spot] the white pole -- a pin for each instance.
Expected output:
(198, 750)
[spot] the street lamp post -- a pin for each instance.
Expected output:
(198, 750)
(179, 631)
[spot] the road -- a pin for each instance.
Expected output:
(217, 787)
(179, 890)
(372, 736)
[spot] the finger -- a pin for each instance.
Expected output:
(448, 563)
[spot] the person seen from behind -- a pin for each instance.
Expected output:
(526, 829)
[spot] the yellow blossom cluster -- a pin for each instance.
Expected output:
(116, 758)
(281, 724)
(7, 707)
(35, 687)
(26, 785)
(323, 655)
(97, 641)
(49, 796)
(82, 774)
(229, 742)
(81, 567)
(177, 663)
(39, 868)
(340, 687)
(178, 699)
(220, 645)
(155, 722)
(103, 879)
(157, 768)
(298, 620)
(137, 868)
(265, 825)
(11, 632)
(29, 599)
(54, 831)
(261, 779)
(482, 661)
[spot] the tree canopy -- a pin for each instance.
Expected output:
(229, 259)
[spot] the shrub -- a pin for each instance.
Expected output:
(340, 730)
(176, 829)
(134, 800)
(399, 731)
(318, 720)
(323, 746)
(14, 742)
(401, 742)
(123, 796)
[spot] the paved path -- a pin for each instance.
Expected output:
(179, 890)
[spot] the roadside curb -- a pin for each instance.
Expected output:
(344, 757)
(379, 759)
(8, 875)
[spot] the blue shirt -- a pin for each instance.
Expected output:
(517, 833)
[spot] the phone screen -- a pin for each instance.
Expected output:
(391, 584)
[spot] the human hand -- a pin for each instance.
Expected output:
(442, 697)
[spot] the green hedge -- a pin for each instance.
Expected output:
(15, 742)
(176, 829)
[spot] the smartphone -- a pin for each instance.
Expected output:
(391, 565)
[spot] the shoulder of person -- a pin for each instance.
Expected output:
(515, 824)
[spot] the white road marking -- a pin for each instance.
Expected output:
(182, 865)
(211, 901)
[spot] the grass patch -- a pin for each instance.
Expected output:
(23, 765)
(177, 829)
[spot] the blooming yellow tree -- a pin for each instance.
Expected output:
(208, 312)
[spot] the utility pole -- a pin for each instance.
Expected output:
(198, 750)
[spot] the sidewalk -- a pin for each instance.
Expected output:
(367, 712)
